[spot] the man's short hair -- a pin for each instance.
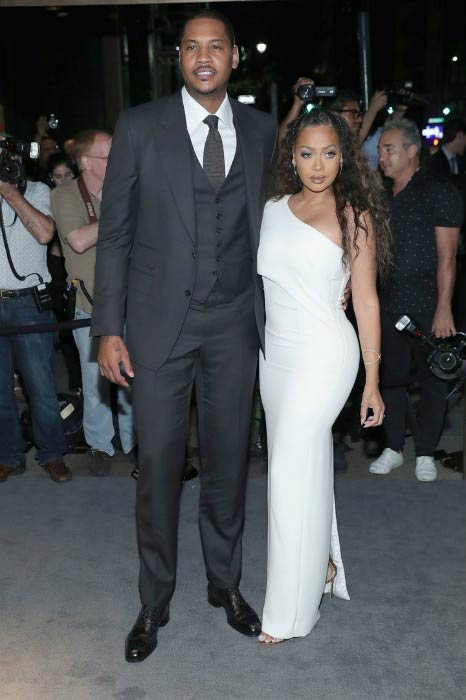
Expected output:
(341, 99)
(210, 14)
(410, 132)
(451, 127)
(84, 140)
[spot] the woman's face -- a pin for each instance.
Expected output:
(61, 174)
(317, 157)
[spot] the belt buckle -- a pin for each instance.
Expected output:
(4, 293)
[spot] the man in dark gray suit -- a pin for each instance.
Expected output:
(176, 261)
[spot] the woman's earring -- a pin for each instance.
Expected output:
(295, 172)
(341, 165)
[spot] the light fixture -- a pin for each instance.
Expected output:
(454, 58)
(261, 47)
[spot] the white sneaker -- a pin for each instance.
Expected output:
(388, 460)
(425, 469)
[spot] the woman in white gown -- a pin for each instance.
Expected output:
(326, 222)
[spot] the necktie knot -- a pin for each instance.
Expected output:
(211, 121)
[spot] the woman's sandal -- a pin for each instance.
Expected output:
(331, 575)
(265, 638)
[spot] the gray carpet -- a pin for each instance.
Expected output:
(68, 597)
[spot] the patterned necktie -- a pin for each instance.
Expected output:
(214, 158)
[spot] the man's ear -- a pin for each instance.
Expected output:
(235, 57)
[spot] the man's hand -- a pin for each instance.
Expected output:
(112, 353)
(443, 325)
(7, 189)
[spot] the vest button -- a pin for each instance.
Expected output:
(187, 293)
(218, 258)
(194, 256)
(218, 229)
(215, 273)
(218, 215)
(219, 243)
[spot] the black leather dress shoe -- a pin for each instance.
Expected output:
(240, 615)
(142, 640)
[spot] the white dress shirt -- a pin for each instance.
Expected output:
(197, 130)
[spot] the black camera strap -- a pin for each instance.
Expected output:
(21, 278)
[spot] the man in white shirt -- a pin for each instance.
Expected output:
(182, 205)
(27, 227)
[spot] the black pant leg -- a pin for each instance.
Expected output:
(394, 380)
(432, 404)
(161, 403)
(225, 380)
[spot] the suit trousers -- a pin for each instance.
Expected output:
(403, 363)
(217, 352)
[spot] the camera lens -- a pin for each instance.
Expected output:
(52, 121)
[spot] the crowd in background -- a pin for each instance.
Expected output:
(70, 261)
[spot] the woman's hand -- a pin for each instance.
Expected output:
(371, 399)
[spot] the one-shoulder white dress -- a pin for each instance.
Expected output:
(310, 366)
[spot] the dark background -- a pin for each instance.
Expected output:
(86, 63)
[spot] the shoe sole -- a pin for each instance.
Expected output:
(215, 603)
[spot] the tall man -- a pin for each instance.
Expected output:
(426, 215)
(76, 209)
(183, 199)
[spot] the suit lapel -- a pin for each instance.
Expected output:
(248, 142)
(174, 146)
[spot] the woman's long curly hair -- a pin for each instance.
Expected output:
(355, 186)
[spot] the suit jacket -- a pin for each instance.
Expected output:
(439, 164)
(146, 263)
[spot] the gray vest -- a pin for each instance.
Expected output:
(223, 250)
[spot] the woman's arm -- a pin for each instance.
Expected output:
(367, 311)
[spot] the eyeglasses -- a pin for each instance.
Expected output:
(91, 155)
(355, 112)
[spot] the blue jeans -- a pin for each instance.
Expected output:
(32, 356)
(97, 410)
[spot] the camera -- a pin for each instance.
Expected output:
(11, 168)
(447, 359)
(400, 95)
(308, 92)
(52, 121)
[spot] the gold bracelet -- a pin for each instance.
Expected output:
(373, 362)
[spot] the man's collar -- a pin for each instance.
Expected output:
(196, 113)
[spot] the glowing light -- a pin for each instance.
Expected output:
(436, 120)
(446, 110)
(435, 131)
(435, 142)
(261, 47)
(309, 107)
(454, 58)
(247, 99)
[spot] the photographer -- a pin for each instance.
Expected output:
(26, 228)
(76, 209)
(426, 214)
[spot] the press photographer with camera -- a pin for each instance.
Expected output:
(426, 213)
(26, 229)
(345, 103)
